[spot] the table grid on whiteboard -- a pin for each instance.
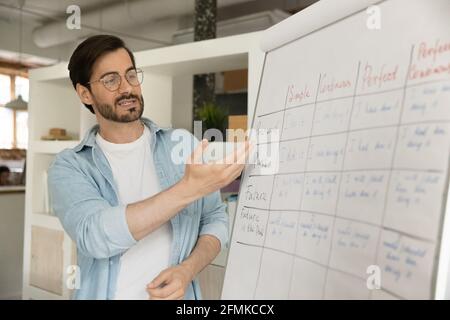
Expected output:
(388, 170)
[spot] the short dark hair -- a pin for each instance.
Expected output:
(87, 53)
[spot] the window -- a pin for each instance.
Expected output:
(8, 138)
(6, 128)
(5, 91)
(22, 87)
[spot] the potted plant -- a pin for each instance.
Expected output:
(212, 117)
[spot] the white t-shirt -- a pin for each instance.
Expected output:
(135, 176)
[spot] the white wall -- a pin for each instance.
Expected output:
(182, 102)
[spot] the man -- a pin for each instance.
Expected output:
(4, 175)
(144, 225)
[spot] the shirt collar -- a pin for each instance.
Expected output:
(89, 139)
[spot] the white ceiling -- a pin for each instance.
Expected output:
(44, 34)
(41, 11)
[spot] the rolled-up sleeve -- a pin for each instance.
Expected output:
(98, 229)
(214, 218)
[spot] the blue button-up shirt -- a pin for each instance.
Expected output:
(85, 198)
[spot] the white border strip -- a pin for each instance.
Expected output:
(443, 281)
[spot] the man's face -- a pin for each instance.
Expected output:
(126, 103)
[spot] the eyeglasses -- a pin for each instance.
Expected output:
(113, 80)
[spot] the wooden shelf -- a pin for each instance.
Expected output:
(52, 147)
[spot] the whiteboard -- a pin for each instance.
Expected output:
(351, 205)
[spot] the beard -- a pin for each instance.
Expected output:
(110, 112)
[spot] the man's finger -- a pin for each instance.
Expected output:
(243, 157)
(235, 155)
(234, 171)
(241, 162)
(162, 292)
(197, 155)
(159, 280)
(177, 295)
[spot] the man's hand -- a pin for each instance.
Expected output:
(144, 217)
(202, 179)
(170, 284)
